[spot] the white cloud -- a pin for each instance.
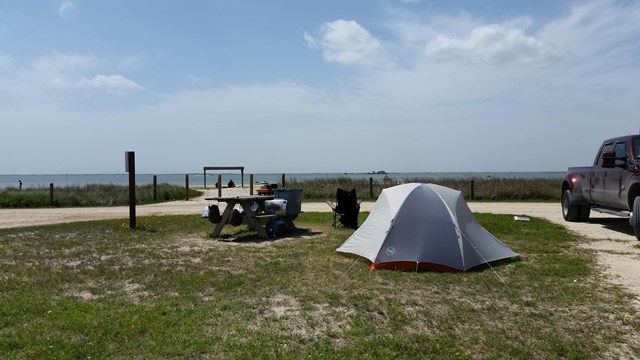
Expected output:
(71, 72)
(60, 63)
(493, 44)
(597, 28)
(346, 42)
(131, 62)
(311, 41)
(66, 9)
(114, 84)
(6, 61)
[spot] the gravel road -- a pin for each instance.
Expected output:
(610, 237)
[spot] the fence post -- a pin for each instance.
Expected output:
(371, 187)
(473, 195)
(50, 194)
(155, 187)
(186, 185)
(219, 185)
(130, 167)
(284, 184)
(250, 184)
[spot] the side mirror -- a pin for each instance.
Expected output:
(608, 159)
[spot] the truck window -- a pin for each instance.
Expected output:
(620, 151)
(636, 148)
(605, 148)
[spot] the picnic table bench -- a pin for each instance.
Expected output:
(255, 217)
(255, 212)
(252, 218)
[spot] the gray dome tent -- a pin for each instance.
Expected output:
(417, 226)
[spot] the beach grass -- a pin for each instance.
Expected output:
(321, 189)
(90, 195)
(484, 189)
(167, 290)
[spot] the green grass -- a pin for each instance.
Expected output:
(166, 290)
(90, 195)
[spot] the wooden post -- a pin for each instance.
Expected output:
(204, 178)
(472, 189)
(155, 187)
(371, 187)
(186, 185)
(50, 194)
(250, 184)
(284, 184)
(131, 168)
(219, 185)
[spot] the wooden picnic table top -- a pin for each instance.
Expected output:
(244, 198)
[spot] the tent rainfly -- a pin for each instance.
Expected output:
(424, 226)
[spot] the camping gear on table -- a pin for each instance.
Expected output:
(276, 207)
(293, 198)
(424, 226)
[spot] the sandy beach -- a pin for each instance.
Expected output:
(610, 237)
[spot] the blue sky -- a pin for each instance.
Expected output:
(322, 86)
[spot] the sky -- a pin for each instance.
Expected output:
(314, 86)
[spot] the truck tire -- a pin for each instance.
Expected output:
(584, 212)
(570, 211)
(635, 217)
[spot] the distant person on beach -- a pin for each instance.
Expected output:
(20, 184)
(231, 184)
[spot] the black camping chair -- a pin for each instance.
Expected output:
(347, 206)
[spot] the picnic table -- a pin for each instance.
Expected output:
(255, 219)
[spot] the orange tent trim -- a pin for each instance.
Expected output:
(411, 266)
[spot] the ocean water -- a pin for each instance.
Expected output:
(197, 180)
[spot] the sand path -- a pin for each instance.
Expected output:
(610, 237)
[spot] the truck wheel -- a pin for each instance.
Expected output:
(570, 212)
(585, 211)
(635, 217)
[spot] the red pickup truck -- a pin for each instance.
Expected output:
(611, 185)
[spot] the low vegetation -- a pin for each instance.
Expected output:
(491, 189)
(167, 290)
(90, 195)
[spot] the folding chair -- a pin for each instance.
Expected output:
(347, 206)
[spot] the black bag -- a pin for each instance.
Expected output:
(214, 214)
(236, 217)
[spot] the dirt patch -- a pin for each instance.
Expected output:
(285, 311)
